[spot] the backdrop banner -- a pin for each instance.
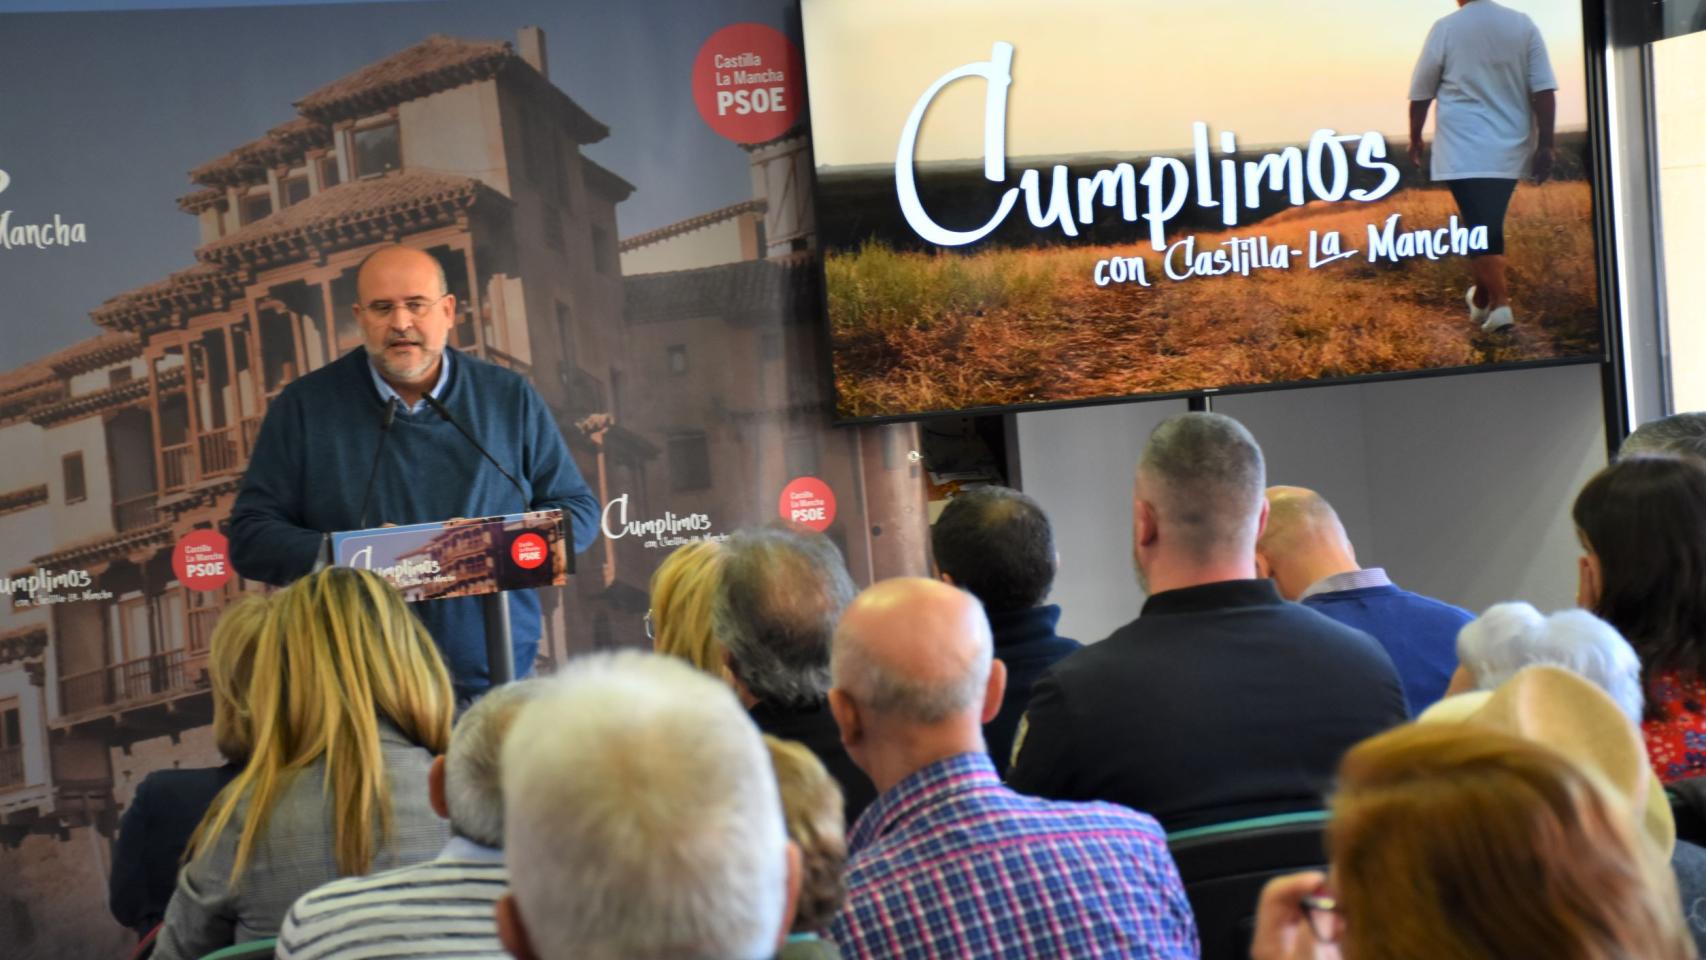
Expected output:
(620, 197)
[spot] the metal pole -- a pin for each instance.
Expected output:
(500, 652)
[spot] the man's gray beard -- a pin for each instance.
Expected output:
(1142, 578)
(378, 361)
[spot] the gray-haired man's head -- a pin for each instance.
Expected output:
(644, 819)
(1680, 434)
(775, 612)
(473, 769)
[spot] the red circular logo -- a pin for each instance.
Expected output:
(808, 502)
(528, 551)
(202, 560)
(748, 83)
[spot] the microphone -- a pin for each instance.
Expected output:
(444, 412)
(373, 474)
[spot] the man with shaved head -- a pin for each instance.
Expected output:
(1221, 701)
(376, 437)
(1307, 554)
(949, 863)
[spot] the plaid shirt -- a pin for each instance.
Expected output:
(951, 864)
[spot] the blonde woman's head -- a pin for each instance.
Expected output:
(230, 664)
(341, 655)
(683, 591)
(812, 805)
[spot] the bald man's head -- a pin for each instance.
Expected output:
(912, 650)
(1304, 540)
(1297, 515)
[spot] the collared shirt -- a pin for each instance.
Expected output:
(465, 850)
(951, 864)
(389, 393)
(1349, 580)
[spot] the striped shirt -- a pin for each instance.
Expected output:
(951, 864)
(440, 908)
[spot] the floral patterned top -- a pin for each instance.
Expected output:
(1676, 743)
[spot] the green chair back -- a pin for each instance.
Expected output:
(252, 950)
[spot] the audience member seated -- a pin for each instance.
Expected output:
(1680, 434)
(684, 587)
(1221, 701)
(950, 864)
(777, 601)
(1511, 636)
(1576, 716)
(642, 820)
(349, 702)
(169, 803)
(811, 804)
(997, 544)
(1571, 714)
(1309, 556)
(1474, 844)
(444, 906)
(1642, 523)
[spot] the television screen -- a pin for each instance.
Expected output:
(1026, 204)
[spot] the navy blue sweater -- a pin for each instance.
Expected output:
(1026, 642)
(1419, 634)
(156, 828)
(312, 459)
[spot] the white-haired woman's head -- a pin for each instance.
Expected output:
(1510, 636)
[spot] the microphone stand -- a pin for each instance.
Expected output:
(385, 422)
(500, 648)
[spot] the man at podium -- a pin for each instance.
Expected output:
(398, 432)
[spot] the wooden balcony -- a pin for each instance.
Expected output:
(145, 679)
(134, 513)
(177, 468)
(219, 452)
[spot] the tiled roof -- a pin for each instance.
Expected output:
(436, 63)
(440, 63)
(72, 408)
(691, 224)
(107, 546)
(198, 289)
(23, 498)
(200, 200)
(349, 215)
(27, 377)
(601, 179)
(41, 380)
(282, 145)
(797, 130)
(738, 292)
(94, 353)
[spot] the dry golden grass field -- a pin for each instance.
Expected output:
(929, 331)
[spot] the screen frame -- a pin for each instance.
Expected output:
(1598, 160)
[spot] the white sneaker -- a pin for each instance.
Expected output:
(1476, 314)
(1498, 319)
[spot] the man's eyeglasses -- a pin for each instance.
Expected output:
(1326, 920)
(416, 306)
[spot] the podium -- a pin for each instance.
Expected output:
(482, 557)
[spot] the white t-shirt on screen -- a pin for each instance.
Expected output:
(1481, 64)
